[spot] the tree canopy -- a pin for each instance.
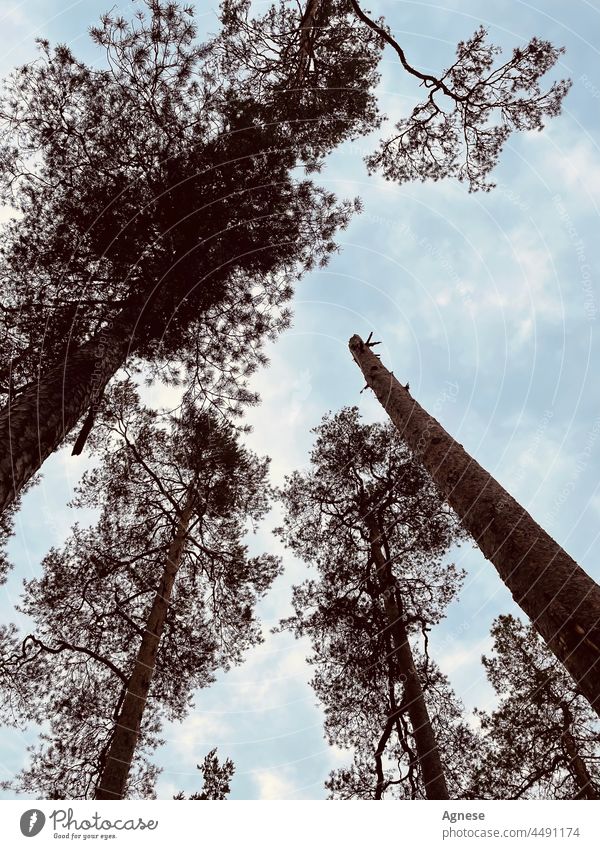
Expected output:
(162, 183)
(91, 604)
(162, 218)
(166, 202)
(216, 777)
(362, 473)
(542, 741)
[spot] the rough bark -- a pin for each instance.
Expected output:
(35, 424)
(579, 770)
(307, 26)
(112, 782)
(432, 771)
(560, 598)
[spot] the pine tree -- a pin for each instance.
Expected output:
(216, 777)
(157, 195)
(543, 740)
(470, 110)
(385, 761)
(141, 608)
(367, 516)
(562, 601)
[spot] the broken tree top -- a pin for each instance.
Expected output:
(559, 597)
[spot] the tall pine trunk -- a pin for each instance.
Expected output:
(112, 781)
(559, 597)
(34, 425)
(428, 754)
(578, 767)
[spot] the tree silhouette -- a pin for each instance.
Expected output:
(158, 200)
(216, 778)
(543, 739)
(158, 195)
(367, 516)
(385, 762)
(470, 109)
(140, 609)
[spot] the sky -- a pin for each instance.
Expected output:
(488, 304)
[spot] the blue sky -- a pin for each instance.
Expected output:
(495, 294)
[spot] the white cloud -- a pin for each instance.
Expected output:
(166, 789)
(287, 411)
(340, 756)
(272, 674)
(198, 733)
(461, 656)
(13, 14)
(578, 168)
(272, 785)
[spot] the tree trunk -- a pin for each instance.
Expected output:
(307, 27)
(112, 781)
(428, 753)
(34, 425)
(561, 600)
(578, 767)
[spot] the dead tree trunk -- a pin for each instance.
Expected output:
(112, 781)
(428, 755)
(559, 597)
